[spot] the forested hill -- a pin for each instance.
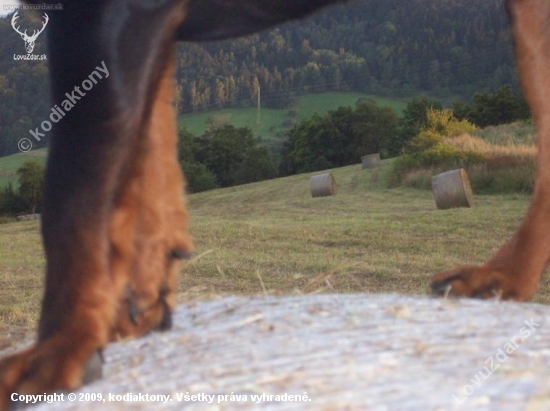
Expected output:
(394, 47)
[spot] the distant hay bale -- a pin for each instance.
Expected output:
(452, 189)
(370, 161)
(322, 185)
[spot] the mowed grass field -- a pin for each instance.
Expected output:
(273, 238)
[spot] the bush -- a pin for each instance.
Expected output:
(223, 157)
(424, 140)
(445, 123)
(199, 177)
(414, 120)
(257, 166)
(6, 220)
(499, 165)
(429, 149)
(489, 109)
(446, 155)
(27, 198)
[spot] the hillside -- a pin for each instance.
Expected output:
(274, 123)
(364, 239)
(393, 48)
(396, 47)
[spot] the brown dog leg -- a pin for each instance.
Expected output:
(151, 212)
(114, 216)
(514, 271)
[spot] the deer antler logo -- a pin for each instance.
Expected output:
(29, 40)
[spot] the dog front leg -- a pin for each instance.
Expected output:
(96, 211)
(515, 270)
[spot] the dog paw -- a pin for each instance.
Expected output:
(479, 282)
(52, 366)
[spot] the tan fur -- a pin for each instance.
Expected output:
(151, 220)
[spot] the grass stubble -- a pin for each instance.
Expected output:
(273, 238)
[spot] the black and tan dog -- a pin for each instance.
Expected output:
(114, 222)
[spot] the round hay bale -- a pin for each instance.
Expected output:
(413, 353)
(322, 185)
(370, 161)
(452, 189)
